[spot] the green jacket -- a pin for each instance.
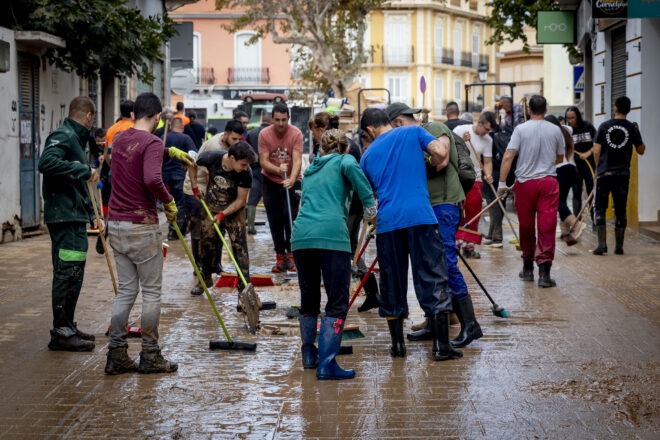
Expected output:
(444, 186)
(327, 189)
(65, 172)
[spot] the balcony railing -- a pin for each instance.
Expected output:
(204, 75)
(398, 54)
(245, 75)
(455, 58)
(443, 56)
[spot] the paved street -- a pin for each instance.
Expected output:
(578, 361)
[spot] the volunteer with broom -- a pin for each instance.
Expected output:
(322, 248)
(229, 182)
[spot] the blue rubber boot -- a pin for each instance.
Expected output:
(310, 354)
(329, 342)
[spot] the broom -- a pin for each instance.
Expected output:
(470, 236)
(496, 309)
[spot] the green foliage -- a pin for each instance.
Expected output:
(102, 36)
(326, 35)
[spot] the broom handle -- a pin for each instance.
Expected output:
(358, 249)
(102, 235)
(224, 243)
(288, 204)
(362, 283)
(483, 210)
(475, 277)
(201, 280)
(364, 247)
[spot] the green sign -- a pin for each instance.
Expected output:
(555, 27)
(643, 8)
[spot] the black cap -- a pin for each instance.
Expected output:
(397, 109)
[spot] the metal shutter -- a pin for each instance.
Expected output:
(619, 58)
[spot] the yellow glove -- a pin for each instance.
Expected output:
(184, 157)
(170, 211)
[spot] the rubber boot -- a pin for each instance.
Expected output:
(152, 361)
(619, 233)
(198, 290)
(544, 276)
(565, 227)
(398, 348)
(423, 334)
(194, 247)
(527, 273)
(602, 240)
(442, 349)
(83, 335)
(119, 362)
(329, 342)
(470, 329)
(251, 212)
(371, 288)
(66, 339)
(310, 354)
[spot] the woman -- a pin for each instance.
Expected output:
(583, 139)
(321, 246)
(567, 175)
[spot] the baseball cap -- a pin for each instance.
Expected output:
(397, 109)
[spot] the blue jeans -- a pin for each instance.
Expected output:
(448, 218)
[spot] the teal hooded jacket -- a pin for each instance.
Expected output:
(327, 188)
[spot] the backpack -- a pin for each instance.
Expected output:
(465, 169)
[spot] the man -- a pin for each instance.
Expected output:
(136, 238)
(514, 115)
(232, 134)
(477, 139)
(612, 152)
(180, 113)
(257, 177)
(280, 156)
(501, 137)
(228, 184)
(174, 174)
(446, 195)
(167, 115)
(243, 117)
(452, 112)
(123, 124)
(406, 226)
(195, 130)
(539, 145)
(67, 210)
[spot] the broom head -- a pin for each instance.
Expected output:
(233, 345)
(469, 236)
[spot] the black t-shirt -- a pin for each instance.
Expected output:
(583, 137)
(223, 185)
(453, 123)
(356, 204)
(616, 138)
(252, 138)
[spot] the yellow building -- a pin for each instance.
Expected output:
(444, 41)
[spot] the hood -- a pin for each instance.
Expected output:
(319, 162)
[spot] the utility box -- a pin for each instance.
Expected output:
(4, 56)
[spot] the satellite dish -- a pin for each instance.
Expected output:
(182, 82)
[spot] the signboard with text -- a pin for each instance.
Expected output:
(555, 27)
(609, 9)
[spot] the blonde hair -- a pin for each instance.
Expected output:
(334, 141)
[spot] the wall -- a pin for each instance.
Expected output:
(557, 76)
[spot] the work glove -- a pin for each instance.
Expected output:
(184, 157)
(370, 214)
(503, 189)
(197, 194)
(171, 211)
(100, 184)
(218, 218)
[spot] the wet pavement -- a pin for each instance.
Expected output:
(578, 361)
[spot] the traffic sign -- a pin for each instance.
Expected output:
(578, 78)
(422, 84)
(182, 81)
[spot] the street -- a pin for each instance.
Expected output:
(578, 361)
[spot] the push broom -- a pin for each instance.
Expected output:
(496, 309)
(470, 236)
(229, 344)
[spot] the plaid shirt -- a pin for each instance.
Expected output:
(516, 115)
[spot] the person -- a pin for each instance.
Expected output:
(135, 236)
(584, 134)
(446, 195)
(567, 174)
(166, 116)
(243, 118)
(97, 151)
(280, 155)
(195, 130)
(501, 137)
(324, 252)
(406, 227)
(67, 210)
(317, 126)
(467, 116)
(227, 187)
(232, 134)
(181, 113)
(539, 146)
(452, 112)
(514, 114)
(612, 151)
(257, 178)
(477, 135)
(124, 123)
(174, 175)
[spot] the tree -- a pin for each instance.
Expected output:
(103, 37)
(326, 35)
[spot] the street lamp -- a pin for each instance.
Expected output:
(483, 72)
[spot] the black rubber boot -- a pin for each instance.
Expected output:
(194, 247)
(398, 348)
(423, 334)
(152, 361)
(619, 233)
(544, 276)
(119, 362)
(442, 349)
(371, 289)
(66, 339)
(470, 329)
(310, 354)
(602, 240)
(83, 335)
(251, 213)
(527, 273)
(99, 246)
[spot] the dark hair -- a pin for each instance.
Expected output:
(568, 139)
(280, 107)
(452, 108)
(537, 105)
(126, 108)
(179, 106)
(242, 151)
(147, 105)
(212, 130)
(488, 117)
(80, 106)
(506, 98)
(578, 115)
(622, 105)
(235, 126)
(334, 141)
(192, 115)
(99, 132)
(176, 122)
(374, 117)
(238, 114)
(324, 120)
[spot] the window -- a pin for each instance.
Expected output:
(475, 48)
(398, 86)
(438, 103)
(247, 59)
(398, 49)
(458, 44)
(457, 92)
(438, 43)
(197, 51)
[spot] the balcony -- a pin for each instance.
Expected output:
(399, 54)
(204, 75)
(248, 75)
(443, 56)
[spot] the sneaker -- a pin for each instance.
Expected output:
(83, 335)
(290, 264)
(494, 244)
(281, 264)
(71, 343)
(471, 253)
(152, 361)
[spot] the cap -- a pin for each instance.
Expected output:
(397, 109)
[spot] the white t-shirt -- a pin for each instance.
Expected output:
(213, 144)
(482, 144)
(538, 143)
